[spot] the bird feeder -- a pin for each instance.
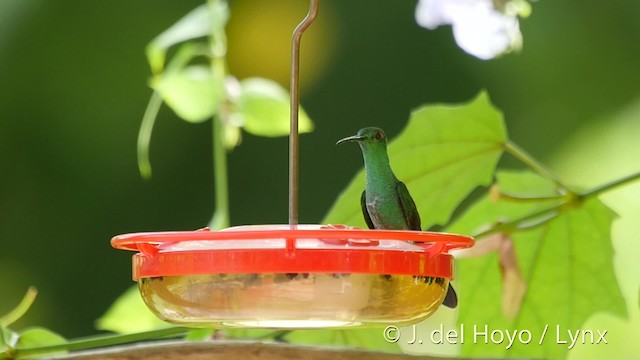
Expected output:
(292, 276)
(305, 276)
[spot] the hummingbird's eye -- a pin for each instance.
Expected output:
(378, 135)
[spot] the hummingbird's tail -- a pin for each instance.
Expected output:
(451, 299)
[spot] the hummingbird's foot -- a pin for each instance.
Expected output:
(280, 278)
(427, 279)
(338, 276)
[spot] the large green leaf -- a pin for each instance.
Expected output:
(488, 211)
(128, 314)
(566, 263)
(442, 155)
(622, 339)
(263, 109)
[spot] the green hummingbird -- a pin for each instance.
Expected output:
(386, 202)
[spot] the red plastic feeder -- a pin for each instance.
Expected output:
(306, 276)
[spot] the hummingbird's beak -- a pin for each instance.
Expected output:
(350, 139)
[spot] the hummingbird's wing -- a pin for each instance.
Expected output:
(365, 212)
(408, 207)
(413, 221)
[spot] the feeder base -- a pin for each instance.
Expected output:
(293, 300)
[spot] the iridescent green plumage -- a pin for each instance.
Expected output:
(386, 202)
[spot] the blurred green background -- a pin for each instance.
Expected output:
(73, 90)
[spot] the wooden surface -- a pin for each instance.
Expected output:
(223, 350)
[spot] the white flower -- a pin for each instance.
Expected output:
(479, 27)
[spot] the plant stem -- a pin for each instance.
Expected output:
(218, 51)
(610, 185)
(220, 218)
(528, 199)
(513, 224)
(144, 135)
(101, 341)
(21, 309)
(534, 164)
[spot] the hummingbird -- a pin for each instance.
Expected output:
(386, 202)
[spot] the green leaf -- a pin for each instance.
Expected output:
(487, 212)
(524, 183)
(621, 337)
(200, 22)
(370, 339)
(129, 314)
(193, 92)
(442, 155)
(567, 264)
(36, 337)
(263, 108)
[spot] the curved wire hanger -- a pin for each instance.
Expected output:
(295, 105)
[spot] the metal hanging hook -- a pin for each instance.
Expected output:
(295, 105)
